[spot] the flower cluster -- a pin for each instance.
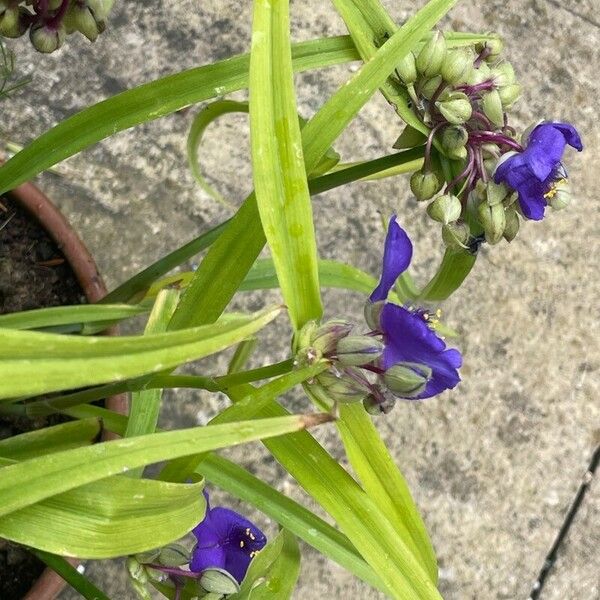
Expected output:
(463, 95)
(50, 21)
(402, 356)
(226, 543)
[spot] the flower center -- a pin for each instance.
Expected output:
(554, 188)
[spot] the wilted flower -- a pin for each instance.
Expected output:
(537, 173)
(226, 540)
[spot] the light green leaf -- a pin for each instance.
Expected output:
(279, 177)
(105, 519)
(78, 361)
(36, 479)
(153, 100)
(383, 482)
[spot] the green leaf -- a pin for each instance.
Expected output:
(51, 439)
(383, 482)
(36, 479)
(201, 121)
(72, 576)
(144, 406)
(153, 100)
(273, 573)
(104, 519)
(77, 316)
(77, 361)
(289, 514)
(279, 177)
(453, 270)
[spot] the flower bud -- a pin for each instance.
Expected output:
(454, 137)
(100, 8)
(372, 313)
(429, 88)
(174, 555)
(457, 66)
(219, 581)
(148, 557)
(455, 108)
(493, 221)
(13, 21)
(456, 235)
(341, 387)
(407, 69)
(503, 74)
(425, 184)
(445, 209)
(407, 380)
(47, 38)
(326, 337)
(509, 94)
(480, 74)
(491, 104)
(512, 225)
(493, 48)
(81, 18)
(380, 403)
(355, 350)
(429, 60)
(458, 154)
(559, 196)
(495, 193)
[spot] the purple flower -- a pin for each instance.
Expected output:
(536, 172)
(407, 333)
(226, 540)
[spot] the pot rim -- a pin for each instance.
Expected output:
(39, 206)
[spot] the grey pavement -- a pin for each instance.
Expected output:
(494, 464)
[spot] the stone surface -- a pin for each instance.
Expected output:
(494, 464)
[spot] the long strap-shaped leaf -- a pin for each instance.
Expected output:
(279, 177)
(234, 252)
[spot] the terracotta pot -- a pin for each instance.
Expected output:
(49, 584)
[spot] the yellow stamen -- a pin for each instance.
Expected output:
(554, 188)
(241, 543)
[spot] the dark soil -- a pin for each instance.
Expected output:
(33, 274)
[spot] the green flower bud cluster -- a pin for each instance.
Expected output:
(50, 23)
(497, 212)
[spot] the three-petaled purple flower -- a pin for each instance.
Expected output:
(408, 337)
(226, 540)
(537, 172)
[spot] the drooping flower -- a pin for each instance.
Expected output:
(225, 540)
(408, 337)
(537, 173)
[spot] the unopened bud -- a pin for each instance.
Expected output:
(174, 555)
(326, 337)
(503, 74)
(425, 184)
(480, 74)
(512, 225)
(493, 221)
(430, 59)
(456, 235)
(430, 87)
(13, 21)
(559, 196)
(455, 108)
(493, 48)
(491, 105)
(47, 38)
(373, 314)
(100, 8)
(445, 209)
(457, 66)
(219, 581)
(407, 380)
(495, 193)
(454, 137)
(355, 350)
(509, 94)
(342, 387)
(407, 69)
(81, 18)
(148, 557)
